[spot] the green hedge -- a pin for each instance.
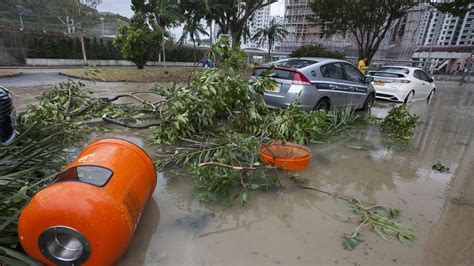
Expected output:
(70, 48)
(96, 48)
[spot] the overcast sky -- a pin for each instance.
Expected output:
(122, 7)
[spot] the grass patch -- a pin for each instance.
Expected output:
(150, 74)
(8, 73)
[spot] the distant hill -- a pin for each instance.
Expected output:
(43, 14)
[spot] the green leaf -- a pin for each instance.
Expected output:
(254, 186)
(349, 242)
(407, 239)
(19, 256)
(245, 198)
(394, 213)
(342, 218)
(389, 231)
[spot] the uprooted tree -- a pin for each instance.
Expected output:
(366, 20)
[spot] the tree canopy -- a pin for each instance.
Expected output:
(457, 8)
(232, 20)
(138, 42)
(275, 32)
(367, 20)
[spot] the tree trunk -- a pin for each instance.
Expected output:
(210, 32)
(163, 47)
(194, 52)
(81, 33)
(83, 46)
(269, 52)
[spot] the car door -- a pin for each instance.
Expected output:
(357, 85)
(428, 83)
(421, 87)
(333, 82)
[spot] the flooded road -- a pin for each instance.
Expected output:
(295, 227)
(291, 226)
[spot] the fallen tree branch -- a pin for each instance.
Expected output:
(69, 103)
(233, 167)
(123, 124)
(133, 96)
(330, 194)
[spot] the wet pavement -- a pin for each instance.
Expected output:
(290, 226)
(32, 79)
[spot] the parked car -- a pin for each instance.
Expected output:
(402, 84)
(7, 117)
(318, 83)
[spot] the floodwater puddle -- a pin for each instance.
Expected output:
(290, 226)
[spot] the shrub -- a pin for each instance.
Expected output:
(400, 124)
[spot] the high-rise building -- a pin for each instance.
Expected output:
(303, 31)
(445, 42)
(445, 29)
(259, 20)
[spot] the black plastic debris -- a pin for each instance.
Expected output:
(7, 117)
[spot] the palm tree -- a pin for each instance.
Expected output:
(193, 29)
(209, 9)
(166, 14)
(275, 32)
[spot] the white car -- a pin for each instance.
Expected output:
(402, 84)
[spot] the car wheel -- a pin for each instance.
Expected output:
(410, 97)
(323, 104)
(369, 102)
(431, 94)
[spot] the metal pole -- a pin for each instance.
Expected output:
(21, 24)
(81, 33)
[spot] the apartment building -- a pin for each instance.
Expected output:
(445, 29)
(445, 42)
(260, 19)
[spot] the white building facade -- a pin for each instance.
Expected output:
(260, 20)
(446, 42)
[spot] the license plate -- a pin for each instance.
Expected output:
(379, 83)
(275, 87)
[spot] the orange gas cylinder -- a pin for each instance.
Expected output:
(89, 214)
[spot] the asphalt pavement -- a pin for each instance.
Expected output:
(32, 79)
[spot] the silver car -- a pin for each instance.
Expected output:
(318, 83)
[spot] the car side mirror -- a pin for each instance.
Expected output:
(368, 79)
(430, 80)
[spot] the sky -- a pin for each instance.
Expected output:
(122, 7)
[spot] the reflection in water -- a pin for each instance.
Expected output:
(147, 226)
(295, 227)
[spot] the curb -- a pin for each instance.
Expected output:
(11, 75)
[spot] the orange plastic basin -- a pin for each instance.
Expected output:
(89, 215)
(287, 156)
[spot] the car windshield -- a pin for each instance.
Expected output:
(400, 70)
(293, 63)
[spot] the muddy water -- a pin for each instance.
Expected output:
(294, 227)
